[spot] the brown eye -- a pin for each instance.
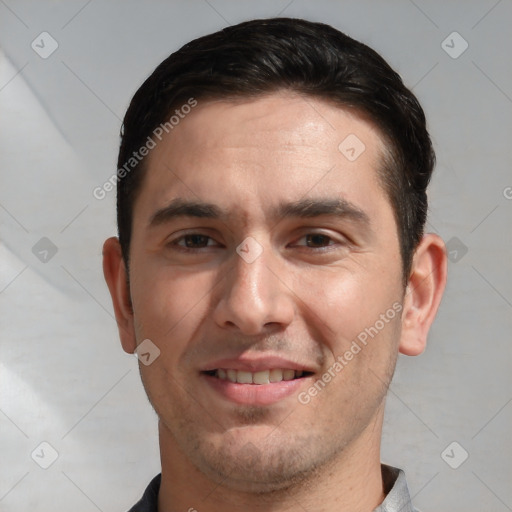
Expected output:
(195, 241)
(317, 240)
(192, 241)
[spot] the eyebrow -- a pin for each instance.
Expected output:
(302, 208)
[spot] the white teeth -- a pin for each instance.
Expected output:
(263, 377)
(244, 377)
(276, 375)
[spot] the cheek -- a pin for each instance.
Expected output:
(168, 306)
(168, 302)
(346, 301)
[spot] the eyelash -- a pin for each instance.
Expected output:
(174, 243)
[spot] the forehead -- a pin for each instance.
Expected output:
(262, 151)
(282, 121)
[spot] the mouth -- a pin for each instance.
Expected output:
(261, 388)
(271, 376)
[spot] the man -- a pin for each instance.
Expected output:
(271, 264)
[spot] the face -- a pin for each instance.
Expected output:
(264, 254)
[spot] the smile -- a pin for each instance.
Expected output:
(261, 377)
(261, 388)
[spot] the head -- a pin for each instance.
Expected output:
(260, 57)
(274, 221)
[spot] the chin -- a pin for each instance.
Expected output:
(245, 467)
(255, 479)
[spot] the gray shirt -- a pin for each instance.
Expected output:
(397, 498)
(397, 493)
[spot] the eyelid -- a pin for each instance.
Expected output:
(334, 237)
(333, 241)
(182, 236)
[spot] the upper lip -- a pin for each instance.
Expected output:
(255, 364)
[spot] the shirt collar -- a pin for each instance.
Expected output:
(398, 498)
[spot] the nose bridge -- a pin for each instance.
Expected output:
(246, 278)
(253, 297)
(249, 278)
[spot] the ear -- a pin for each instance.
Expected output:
(423, 294)
(114, 270)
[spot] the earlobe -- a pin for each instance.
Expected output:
(114, 271)
(423, 294)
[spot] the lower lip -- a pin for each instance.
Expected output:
(254, 394)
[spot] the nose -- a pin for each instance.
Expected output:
(254, 298)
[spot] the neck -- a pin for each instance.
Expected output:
(351, 482)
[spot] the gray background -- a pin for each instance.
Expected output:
(64, 379)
